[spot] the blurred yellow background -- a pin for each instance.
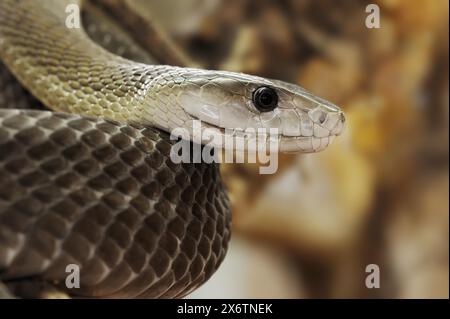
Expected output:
(379, 194)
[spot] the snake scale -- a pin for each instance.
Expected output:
(86, 177)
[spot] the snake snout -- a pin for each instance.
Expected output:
(326, 121)
(340, 125)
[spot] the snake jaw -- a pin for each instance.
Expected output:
(254, 141)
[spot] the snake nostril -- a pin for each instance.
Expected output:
(322, 117)
(342, 117)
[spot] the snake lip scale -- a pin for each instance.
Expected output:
(86, 177)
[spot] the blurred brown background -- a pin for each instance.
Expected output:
(379, 194)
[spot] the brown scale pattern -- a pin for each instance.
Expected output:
(107, 197)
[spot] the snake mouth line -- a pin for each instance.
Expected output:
(252, 132)
(254, 140)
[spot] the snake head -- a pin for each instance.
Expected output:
(250, 108)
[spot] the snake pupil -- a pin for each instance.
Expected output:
(265, 99)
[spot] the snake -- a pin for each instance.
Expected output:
(86, 176)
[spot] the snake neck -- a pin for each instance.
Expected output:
(67, 71)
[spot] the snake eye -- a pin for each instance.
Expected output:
(265, 99)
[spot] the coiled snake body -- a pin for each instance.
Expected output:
(92, 184)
